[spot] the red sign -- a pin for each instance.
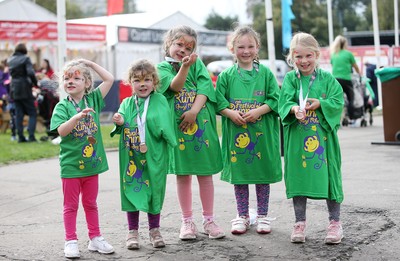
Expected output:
(11, 30)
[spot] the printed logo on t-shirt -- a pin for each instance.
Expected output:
(246, 146)
(194, 134)
(313, 145)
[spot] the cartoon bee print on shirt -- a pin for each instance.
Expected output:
(312, 145)
(196, 134)
(243, 141)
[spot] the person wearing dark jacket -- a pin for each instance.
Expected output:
(22, 80)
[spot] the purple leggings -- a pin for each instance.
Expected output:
(133, 220)
(242, 199)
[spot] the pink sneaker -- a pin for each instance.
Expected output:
(298, 234)
(335, 233)
(213, 230)
(188, 230)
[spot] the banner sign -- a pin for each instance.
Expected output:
(12, 30)
(155, 36)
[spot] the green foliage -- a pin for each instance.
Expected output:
(12, 151)
(216, 22)
(73, 10)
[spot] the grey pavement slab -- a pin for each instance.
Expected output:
(31, 225)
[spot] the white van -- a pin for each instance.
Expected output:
(281, 67)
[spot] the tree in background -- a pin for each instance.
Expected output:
(385, 15)
(73, 11)
(215, 21)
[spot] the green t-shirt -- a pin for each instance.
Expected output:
(199, 151)
(251, 153)
(78, 156)
(342, 62)
(312, 151)
(143, 175)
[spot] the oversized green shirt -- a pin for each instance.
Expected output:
(342, 62)
(312, 152)
(199, 150)
(79, 157)
(143, 175)
(251, 153)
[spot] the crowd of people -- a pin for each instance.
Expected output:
(25, 90)
(168, 126)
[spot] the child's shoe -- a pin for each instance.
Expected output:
(263, 225)
(100, 245)
(213, 230)
(298, 234)
(240, 225)
(188, 230)
(335, 233)
(71, 249)
(156, 238)
(132, 239)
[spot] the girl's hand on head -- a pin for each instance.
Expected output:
(312, 104)
(118, 119)
(85, 62)
(188, 119)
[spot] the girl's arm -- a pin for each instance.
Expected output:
(254, 114)
(66, 128)
(179, 80)
(189, 117)
(235, 116)
(106, 76)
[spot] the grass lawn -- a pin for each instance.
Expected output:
(12, 151)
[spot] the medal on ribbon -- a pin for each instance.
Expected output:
(141, 122)
(301, 114)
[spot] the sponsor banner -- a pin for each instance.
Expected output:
(155, 36)
(12, 30)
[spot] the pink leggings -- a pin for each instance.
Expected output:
(206, 188)
(72, 188)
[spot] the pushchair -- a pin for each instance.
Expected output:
(362, 104)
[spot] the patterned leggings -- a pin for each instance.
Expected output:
(242, 199)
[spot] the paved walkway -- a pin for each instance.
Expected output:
(31, 225)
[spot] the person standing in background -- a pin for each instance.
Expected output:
(343, 62)
(22, 80)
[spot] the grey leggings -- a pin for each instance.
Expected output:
(300, 203)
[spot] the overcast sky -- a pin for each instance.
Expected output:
(198, 10)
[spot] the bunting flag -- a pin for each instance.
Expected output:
(287, 16)
(115, 6)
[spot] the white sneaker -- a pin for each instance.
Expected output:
(263, 225)
(240, 225)
(100, 245)
(71, 249)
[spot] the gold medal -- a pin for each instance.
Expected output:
(143, 148)
(91, 139)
